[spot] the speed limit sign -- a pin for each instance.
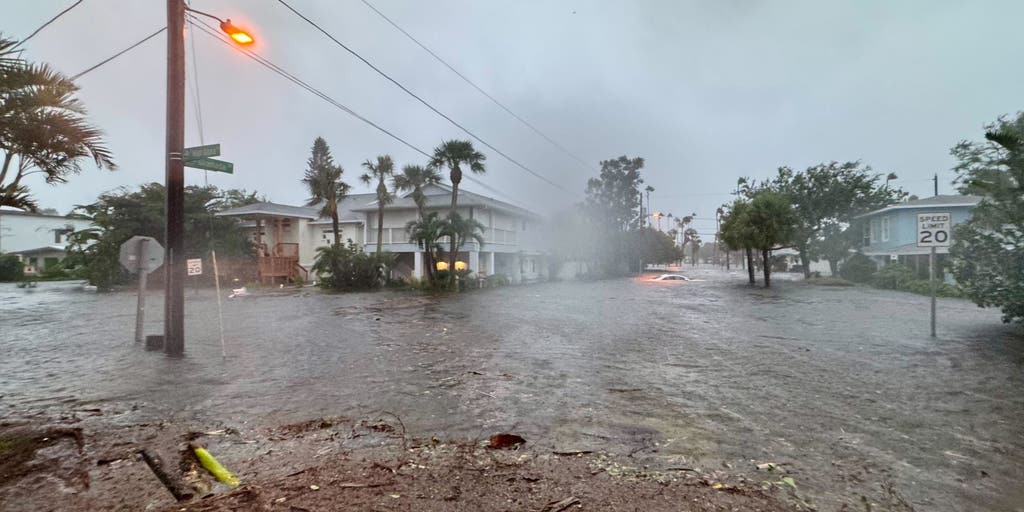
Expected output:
(934, 229)
(194, 266)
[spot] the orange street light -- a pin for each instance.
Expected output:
(240, 36)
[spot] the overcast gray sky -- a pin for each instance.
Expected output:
(704, 91)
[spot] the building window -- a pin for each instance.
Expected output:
(867, 234)
(874, 231)
(885, 229)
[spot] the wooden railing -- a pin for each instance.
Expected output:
(274, 267)
(288, 250)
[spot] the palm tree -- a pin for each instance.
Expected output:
(414, 178)
(323, 179)
(43, 125)
(453, 154)
(427, 231)
(380, 171)
(461, 230)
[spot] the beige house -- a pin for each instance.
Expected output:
(287, 237)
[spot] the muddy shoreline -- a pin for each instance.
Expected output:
(340, 463)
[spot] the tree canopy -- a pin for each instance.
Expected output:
(43, 128)
(988, 250)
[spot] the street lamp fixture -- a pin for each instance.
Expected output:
(239, 35)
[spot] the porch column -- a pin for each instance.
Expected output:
(490, 263)
(474, 261)
(417, 264)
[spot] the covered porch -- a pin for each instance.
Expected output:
(276, 240)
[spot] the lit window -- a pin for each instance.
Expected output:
(442, 265)
(461, 265)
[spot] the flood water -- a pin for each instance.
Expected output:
(842, 386)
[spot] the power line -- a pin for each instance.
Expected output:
(421, 100)
(477, 87)
(201, 25)
(120, 53)
(44, 25)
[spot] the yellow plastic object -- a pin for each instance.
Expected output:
(215, 468)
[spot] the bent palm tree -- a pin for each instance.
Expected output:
(426, 232)
(43, 125)
(461, 230)
(380, 171)
(453, 154)
(415, 178)
(323, 180)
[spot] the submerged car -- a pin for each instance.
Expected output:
(671, 277)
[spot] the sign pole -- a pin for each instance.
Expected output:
(931, 283)
(140, 308)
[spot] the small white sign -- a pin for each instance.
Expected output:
(934, 229)
(195, 267)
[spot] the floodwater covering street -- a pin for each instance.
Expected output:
(841, 386)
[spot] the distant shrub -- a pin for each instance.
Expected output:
(858, 268)
(11, 268)
(347, 268)
(895, 276)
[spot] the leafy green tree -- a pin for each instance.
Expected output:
(737, 234)
(323, 180)
(11, 268)
(614, 196)
(454, 154)
(825, 198)
(43, 128)
(119, 215)
(988, 250)
(415, 178)
(427, 231)
(381, 170)
(772, 221)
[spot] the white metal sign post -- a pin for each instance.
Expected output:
(934, 230)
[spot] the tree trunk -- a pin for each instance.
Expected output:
(805, 259)
(750, 265)
(7, 164)
(380, 224)
(334, 226)
(833, 266)
(456, 177)
(766, 267)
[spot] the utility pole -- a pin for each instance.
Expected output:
(936, 180)
(174, 258)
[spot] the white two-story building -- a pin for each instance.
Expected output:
(38, 239)
(287, 237)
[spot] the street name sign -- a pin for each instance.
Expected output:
(201, 151)
(210, 164)
(934, 229)
(152, 254)
(195, 267)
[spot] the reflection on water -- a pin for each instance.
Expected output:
(842, 385)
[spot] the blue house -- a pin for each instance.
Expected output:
(890, 234)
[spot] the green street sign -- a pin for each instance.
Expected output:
(201, 151)
(210, 164)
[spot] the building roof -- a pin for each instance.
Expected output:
(439, 196)
(22, 213)
(929, 202)
(268, 209)
(41, 250)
